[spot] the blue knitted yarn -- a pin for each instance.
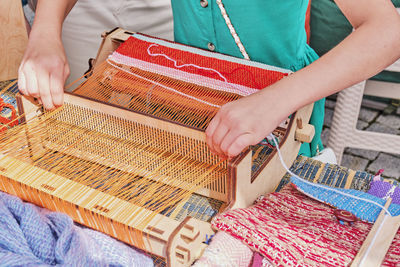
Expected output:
(31, 236)
(364, 210)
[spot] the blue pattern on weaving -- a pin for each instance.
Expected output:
(362, 209)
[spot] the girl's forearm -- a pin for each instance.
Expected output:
(373, 45)
(44, 68)
(50, 15)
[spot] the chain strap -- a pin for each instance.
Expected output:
(232, 30)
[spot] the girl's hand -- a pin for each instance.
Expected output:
(44, 69)
(373, 45)
(245, 122)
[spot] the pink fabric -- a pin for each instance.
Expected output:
(290, 229)
(260, 261)
(225, 250)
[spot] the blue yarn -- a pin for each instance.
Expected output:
(31, 236)
(362, 209)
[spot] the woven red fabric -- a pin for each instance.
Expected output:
(290, 229)
(234, 72)
(7, 122)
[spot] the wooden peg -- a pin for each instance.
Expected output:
(304, 132)
(299, 123)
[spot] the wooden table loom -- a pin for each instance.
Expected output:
(57, 160)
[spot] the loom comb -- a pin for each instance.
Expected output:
(123, 155)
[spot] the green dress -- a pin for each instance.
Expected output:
(272, 31)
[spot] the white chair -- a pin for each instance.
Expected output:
(343, 132)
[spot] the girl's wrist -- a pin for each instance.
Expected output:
(282, 97)
(43, 29)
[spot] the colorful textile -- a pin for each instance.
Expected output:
(8, 91)
(328, 174)
(225, 251)
(365, 208)
(8, 104)
(166, 58)
(383, 189)
(31, 236)
(199, 207)
(290, 229)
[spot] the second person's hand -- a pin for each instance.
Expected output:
(44, 68)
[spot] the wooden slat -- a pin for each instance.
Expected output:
(135, 117)
(30, 107)
(373, 251)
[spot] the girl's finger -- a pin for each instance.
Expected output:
(239, 144)
(22, 82)
(31, 82)
(229, 138)
(44, 90)
(218, 136)
(210, 131)
(57, 88)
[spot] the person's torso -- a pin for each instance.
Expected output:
(272, 31)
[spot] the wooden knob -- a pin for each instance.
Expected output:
(304, 132)
(299, 123)
(345, 216)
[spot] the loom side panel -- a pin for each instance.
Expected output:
(248, 189)
(28, 107)
(239, 175)
(187, 242)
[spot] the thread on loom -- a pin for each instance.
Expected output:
(134, 85)
(163, 86)
(175, 62)
(81, 148)
(184, 65)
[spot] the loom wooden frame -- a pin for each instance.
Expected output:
(180, 243)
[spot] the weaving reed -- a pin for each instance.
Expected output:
(128, 146)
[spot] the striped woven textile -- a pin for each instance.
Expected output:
(290, 229)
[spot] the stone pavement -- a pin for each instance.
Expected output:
(373, 117)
